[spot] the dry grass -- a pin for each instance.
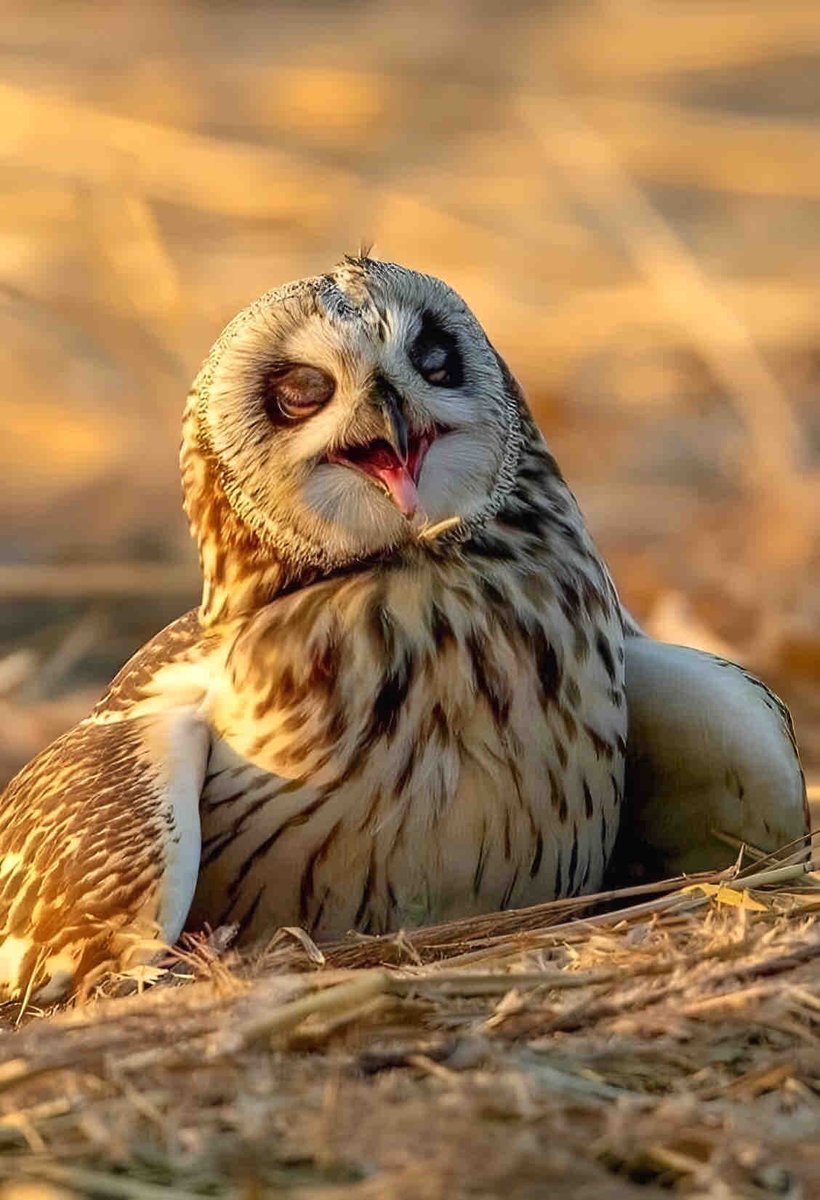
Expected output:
(560, 1051)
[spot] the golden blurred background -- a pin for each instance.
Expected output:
(626, 192)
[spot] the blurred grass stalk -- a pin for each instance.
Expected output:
(592, 168)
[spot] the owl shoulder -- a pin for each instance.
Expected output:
(171, 662)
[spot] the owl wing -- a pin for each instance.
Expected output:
(99, 835)
(710, 751)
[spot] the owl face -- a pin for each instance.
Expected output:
(349, 413)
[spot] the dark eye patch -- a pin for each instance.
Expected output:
(436, 356)
(294, 391)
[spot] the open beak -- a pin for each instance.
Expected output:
(398, 476)
(394, 461)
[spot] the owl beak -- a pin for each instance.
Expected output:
(395, 426)
(393, 461)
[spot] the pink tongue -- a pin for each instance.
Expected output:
(398, 481)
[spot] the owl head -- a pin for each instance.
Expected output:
(344, 417)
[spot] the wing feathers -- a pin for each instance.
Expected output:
(99, 847)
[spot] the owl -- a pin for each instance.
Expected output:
(403, 698)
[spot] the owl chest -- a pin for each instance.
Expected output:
(438, 785)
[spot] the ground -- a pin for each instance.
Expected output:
(667, 1043)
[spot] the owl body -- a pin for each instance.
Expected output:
(402, 698)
